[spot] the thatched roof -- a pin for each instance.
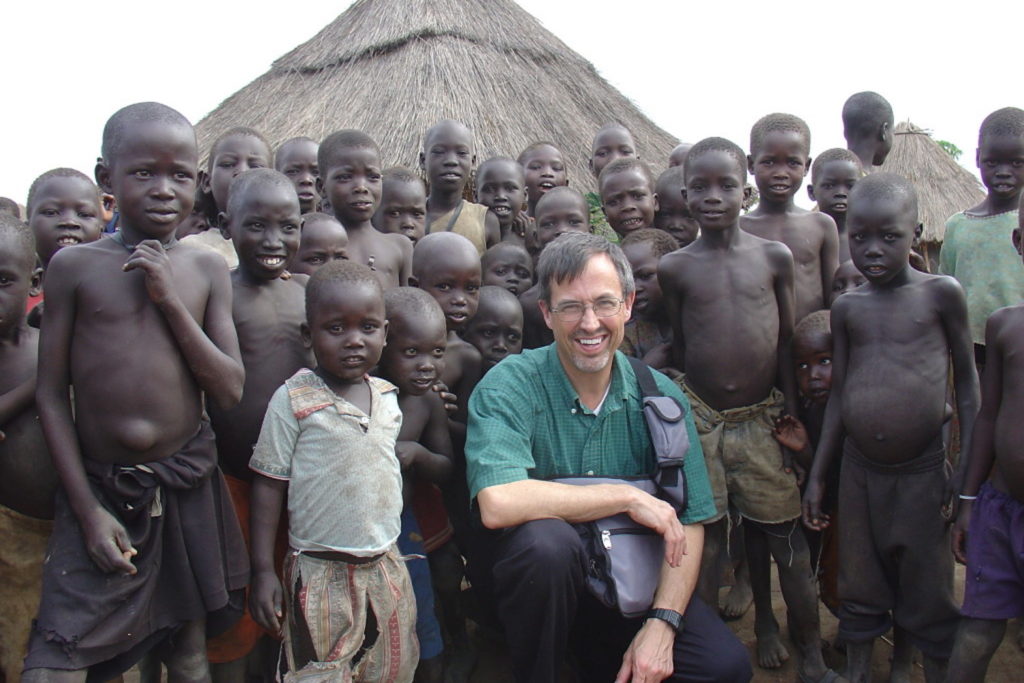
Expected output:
(944, 187)
(394, 67)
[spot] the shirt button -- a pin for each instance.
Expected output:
(590, 473)
(573, 411)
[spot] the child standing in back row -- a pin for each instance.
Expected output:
(977, 250)
(328, 446)
(893, 338)
(780, 156)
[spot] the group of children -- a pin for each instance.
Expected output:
(239, 430)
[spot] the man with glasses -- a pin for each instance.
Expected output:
(574, 408)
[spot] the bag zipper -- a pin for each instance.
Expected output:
(606, 534)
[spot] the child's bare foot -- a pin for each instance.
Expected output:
(771, 653)
(739, 599)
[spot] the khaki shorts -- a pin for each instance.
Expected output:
(744, 460)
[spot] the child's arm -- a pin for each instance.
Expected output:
(492, 230)
(472, 370)
(437, 442)
(668, 273)
(405, 269)
(266, 597)
(211, 350)
(785, 298)
(15, 401)
(952, 306)
(105, 537)
(829, 256)
(832, 428)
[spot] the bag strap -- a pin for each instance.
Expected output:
(669, 476)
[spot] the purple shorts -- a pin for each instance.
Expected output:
(994, 588)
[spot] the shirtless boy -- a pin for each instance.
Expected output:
(833, 174)
(894, 563)
(730, 302)
(779, 158)
(350, 179)
(166, 529)
(403, 204)
(868, 127)
(627, 195)
(672, 215)
(501, 187)
(448, 159)
(413, 360)
(323, 240)
(497, 328)
(262, 218)
(562, 209)
(27, 479)
(296, 158)
(509, 266)
(612, 141)
(987, 536)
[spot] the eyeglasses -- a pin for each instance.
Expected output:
(574, 311)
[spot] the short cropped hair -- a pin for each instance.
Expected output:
(561, 190)
(623, 164)
(493, 252)
(8, 205)
(339, 272)
(864, 112)
(496, 160)
(255, 178)
(342, 140)
(833, 154)
(142, 112)
(676, 175)
(818, 322)
(717, 145)
(401, 174)
(314, 216)
(661, 242)
(884, 186)
(430, 131)
(57, 173)
(566, 257)
(412, 303)
(440, 244)
(24, 239)
(785, 123)
(1007, 121)
(535, 146)
(492, 294)
(239, 131)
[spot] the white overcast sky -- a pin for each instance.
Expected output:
(696, 68)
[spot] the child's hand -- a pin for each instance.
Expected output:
(108, 544)
(951, 495)
(408, 452)
(812, 514)
(522, 224)
(150, 257)
(266, 600)
(450, 400)
(791, 433)
(959, 535)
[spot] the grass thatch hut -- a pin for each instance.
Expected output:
(394, 67)
(944, 187)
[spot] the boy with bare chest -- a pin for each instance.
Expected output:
(27, 478)
(779, 158)
(729, 297)
(350, 180)
(145, 543)
(262, 218)
(893, 339)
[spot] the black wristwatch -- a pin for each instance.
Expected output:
(669, 616)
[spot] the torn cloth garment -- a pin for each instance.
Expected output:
(191, 562)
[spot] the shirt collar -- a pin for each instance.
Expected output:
(623, 381)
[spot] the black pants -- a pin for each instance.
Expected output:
(536, 583)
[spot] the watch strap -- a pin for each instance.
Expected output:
(669, 616)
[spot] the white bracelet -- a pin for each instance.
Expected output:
(963, 497)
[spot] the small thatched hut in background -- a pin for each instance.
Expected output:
(394, 67)
(944, 187)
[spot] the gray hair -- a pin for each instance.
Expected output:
(566, 257)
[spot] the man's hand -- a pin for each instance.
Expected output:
(266, 600)
(813, 517)
(150, 257)
(649, 657)
(108, 544)
(658, 515)
(960, 527)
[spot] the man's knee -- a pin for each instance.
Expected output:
(544, 548)
(731, 664)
